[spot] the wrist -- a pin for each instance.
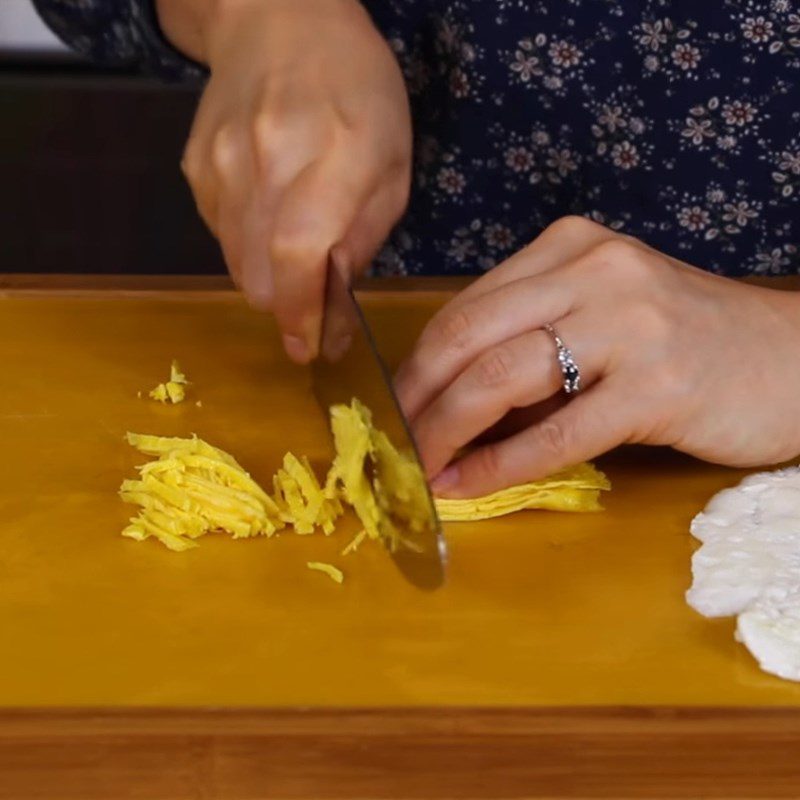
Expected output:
(199, 28)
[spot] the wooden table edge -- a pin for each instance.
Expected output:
(317, 753)
(399, 721)
(17, 284)
(44, 283)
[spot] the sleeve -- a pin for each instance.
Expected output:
(122, 33)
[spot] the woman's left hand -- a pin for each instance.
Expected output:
(668, 355)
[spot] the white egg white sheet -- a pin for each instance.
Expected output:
(749, 566)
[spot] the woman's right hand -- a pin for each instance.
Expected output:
(301, 146)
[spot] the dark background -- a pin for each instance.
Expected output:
(89, 174)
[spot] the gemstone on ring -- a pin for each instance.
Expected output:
(569, 369)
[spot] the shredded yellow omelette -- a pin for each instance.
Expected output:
(173, 390)
(384, 486)
(193, 488)
(190, 488)
(334, 573)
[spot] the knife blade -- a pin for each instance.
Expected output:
(350, 366)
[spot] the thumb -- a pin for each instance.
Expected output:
(374, 222)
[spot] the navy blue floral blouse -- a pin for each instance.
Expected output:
(677, 122)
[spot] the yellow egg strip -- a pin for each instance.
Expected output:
(300, 498)
(173, 390)
(355, 543)
(332, 572)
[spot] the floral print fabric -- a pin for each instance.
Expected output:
(676, 122)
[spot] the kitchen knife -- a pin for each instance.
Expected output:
(350, 366)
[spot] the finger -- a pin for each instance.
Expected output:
(374, 222)
(202, 182)
(514, 374)
(236, 177)
(340, 316)
(277, 155)
(196, 163)
(590, 424)
(312, 215)
(266, 165)
(352, 256)
(518, 419)
(564, 240)
(459, 333)
(233, 165)
(256, 221)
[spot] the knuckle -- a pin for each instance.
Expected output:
(553, 437)
(632, 240)
(223, 149)
(294, 247)
(614, 251)
(572, 225)
(495, 367)
(268, 131)
(452, 330)
(650, 321)
(488, 461)
(622, 260)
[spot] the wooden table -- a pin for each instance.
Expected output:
(559, 661)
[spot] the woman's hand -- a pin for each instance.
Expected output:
(668, 354)
(301, 144)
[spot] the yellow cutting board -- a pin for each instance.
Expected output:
(540, 608)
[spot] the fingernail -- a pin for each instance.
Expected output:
(296, 348)
(446, 479)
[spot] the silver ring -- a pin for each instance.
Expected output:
(569, 369)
